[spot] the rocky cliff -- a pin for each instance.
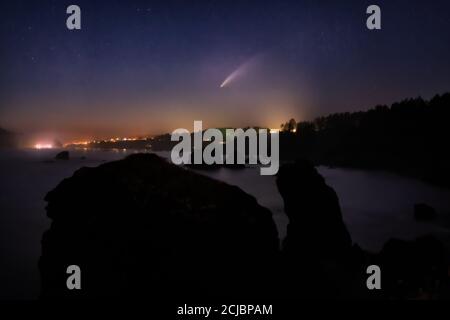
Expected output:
(143, 227)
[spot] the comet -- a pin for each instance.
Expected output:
(240, 71)
(231, 77)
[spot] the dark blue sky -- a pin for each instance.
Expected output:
(140, 67)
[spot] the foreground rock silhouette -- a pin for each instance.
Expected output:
(142, 227)
(424, 212)
(416, 269)
(310, 202)
(318, 255)
(63, 155)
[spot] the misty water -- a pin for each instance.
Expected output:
(376, 206)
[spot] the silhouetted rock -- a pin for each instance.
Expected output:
(414, 269)
(142, 227)
(315, 218)
(423, 211)
(319, 260)
(63, 155)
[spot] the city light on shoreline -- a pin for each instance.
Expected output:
(96, 141)
(43, 146)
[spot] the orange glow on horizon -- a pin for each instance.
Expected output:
(43, 146)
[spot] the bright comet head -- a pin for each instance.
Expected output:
(240, 71)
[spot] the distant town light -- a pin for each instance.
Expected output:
(43, 146)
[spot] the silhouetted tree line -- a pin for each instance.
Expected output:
(410, 137)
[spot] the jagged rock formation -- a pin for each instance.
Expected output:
(63, 155)
(319, 260)
(317, 253)
(415, 269)
(310, 202)
(142, 227)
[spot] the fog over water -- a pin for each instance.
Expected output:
(376, 206)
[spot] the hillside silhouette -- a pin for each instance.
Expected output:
(409, 137)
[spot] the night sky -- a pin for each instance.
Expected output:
(148, 67)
